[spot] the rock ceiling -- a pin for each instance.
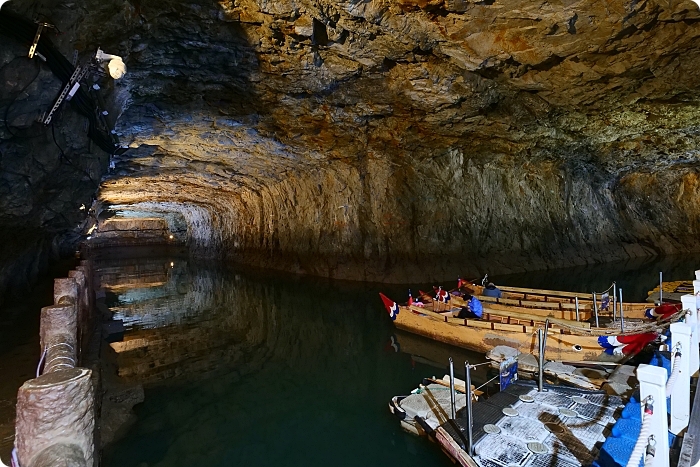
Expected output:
(389, 140)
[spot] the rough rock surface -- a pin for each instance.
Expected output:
(73, 425)
(388, 140)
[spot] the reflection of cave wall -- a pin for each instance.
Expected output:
(185, 320)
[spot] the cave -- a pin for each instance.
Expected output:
(364, 140)
(372, 141)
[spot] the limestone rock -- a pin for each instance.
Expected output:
(357, 140)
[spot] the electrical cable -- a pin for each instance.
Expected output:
(9, 106)
(19, 28)
(64, 157)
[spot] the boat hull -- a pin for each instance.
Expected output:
(482, 336)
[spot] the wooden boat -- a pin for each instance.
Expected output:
(560, 304)
(566, 340)
(672, 291)
(556, 310)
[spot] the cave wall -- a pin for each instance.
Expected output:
(390, 140)
(49, 174)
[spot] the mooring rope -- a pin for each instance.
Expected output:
(605, 291)
(651, 452)
(647, 327)
(644, 433)
(676, 370)
(487, 382)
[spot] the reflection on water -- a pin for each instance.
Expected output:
(256, 370)
(243, 370)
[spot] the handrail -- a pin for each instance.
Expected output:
(607, 290)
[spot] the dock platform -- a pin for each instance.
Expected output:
(523, 427)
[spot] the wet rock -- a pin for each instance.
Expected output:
(391, 142)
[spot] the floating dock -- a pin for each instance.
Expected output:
(521, 426)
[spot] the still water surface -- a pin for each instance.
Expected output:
(265, 370)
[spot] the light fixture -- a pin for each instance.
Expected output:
(171, 237)
(115, 64)
(2, 2)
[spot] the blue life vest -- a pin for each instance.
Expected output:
(475, 307)
(494, 292)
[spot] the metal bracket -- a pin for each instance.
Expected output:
(73, 83)
(35, 43)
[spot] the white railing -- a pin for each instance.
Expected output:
(691, 303)
(656, 385)
(652, 392)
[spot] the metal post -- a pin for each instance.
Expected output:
(622, 315)
(544, 339)
(453, 408)
(595, 310)
(468, 392)
(614, 300)
(540, 360)
(661, 287)
(577, 315)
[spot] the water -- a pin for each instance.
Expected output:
(267, 370)
(260, 371)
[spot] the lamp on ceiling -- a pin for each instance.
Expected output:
(115, 64)
(2, 2)
(697, 2)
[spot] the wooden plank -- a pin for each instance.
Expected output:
(685, 459)
(507, 327)
(551, 305)
(500, 313)
(540, 319)
(552, 293)
(473, 323)
(694, 427)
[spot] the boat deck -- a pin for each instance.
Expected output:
(523, 427)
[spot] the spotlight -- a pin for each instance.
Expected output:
(115, 64)
(2, 2)
(171, 237)
(172, 264)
